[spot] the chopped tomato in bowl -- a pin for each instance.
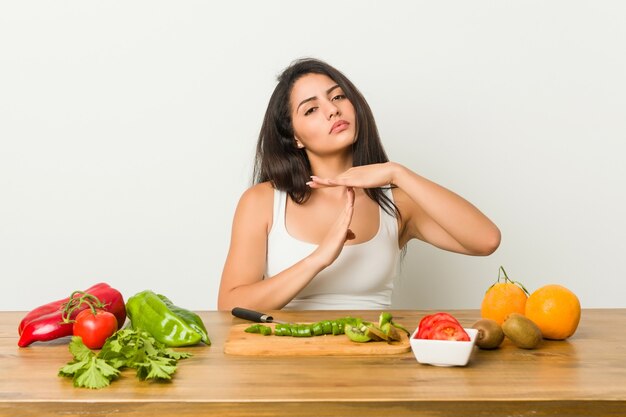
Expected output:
(441, 340)
(447, 330)
(427, 322)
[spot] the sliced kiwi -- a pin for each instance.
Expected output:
(375, 333)
(490, 334)
(385, 317)
(357, 333)
(522, 331)
(391, 331)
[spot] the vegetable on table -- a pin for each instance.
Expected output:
(325, 327)
(355, 328)
(441, 326)
(170, 325)
(191, 318)
(94, 326)
(56, 319)
(259, 328)
(127, 348)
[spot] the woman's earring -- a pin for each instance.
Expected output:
(299, 144)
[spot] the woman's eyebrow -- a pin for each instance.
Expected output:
(306, 100)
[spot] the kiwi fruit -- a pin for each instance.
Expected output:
(375, 333)
(522, 331)
(357, 333)
(490, 334)
(391, 332)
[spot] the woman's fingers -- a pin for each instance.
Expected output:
(350, 197)
(349, 212)
(317, 182)
(332, 244)
(343, 226)
(364, 176)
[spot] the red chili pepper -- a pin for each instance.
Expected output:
(48, 322)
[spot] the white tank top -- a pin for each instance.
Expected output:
(361, 278)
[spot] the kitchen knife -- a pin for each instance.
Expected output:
(244, 313)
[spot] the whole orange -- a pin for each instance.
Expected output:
(555, 310)
(503, 298)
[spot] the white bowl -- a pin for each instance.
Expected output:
(443, 352)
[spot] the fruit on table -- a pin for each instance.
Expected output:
(522, 331)
(503, 298)
(490, 334)
(556, 311)
(375, 333)
(390, 330)
(384, 318)
(357, 333)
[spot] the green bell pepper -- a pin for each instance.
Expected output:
(147, 311)
(259, 328)
(192, 319)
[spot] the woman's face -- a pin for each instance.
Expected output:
(323, 118)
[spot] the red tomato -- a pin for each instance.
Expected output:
(94, 329)
(427, 322)
(448, 330)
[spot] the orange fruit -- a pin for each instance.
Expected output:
(555, 310)
(503, 298)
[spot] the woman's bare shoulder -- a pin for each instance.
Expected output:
(256, 207)
(258, 194)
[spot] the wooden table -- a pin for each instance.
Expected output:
(585, 375)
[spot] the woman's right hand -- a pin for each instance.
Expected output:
(243, 282)
(332, 245)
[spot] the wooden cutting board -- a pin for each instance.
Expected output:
(253, 344)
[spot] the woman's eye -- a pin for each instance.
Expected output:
(339, 97)
(309, 111)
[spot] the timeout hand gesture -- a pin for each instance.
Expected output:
(331, 246)
(365, 176)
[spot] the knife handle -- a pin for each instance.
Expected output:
(244, 313)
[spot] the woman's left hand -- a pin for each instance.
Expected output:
(364, 176)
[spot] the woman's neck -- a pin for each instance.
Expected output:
(330, 166)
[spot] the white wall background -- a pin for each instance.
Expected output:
(127, 132)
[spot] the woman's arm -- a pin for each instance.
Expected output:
(441, 217)
(242, 281)
(429, 211)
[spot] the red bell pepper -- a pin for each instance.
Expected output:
(51, 308)
(47, 322)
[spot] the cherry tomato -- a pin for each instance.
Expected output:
(427, 322)
(448, 330)
(94, 329)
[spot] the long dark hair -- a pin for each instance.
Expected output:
(287, 167)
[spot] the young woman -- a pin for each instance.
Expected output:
(324, 224)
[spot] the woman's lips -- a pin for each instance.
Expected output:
(339, 126)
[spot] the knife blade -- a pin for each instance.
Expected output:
(244, 313)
